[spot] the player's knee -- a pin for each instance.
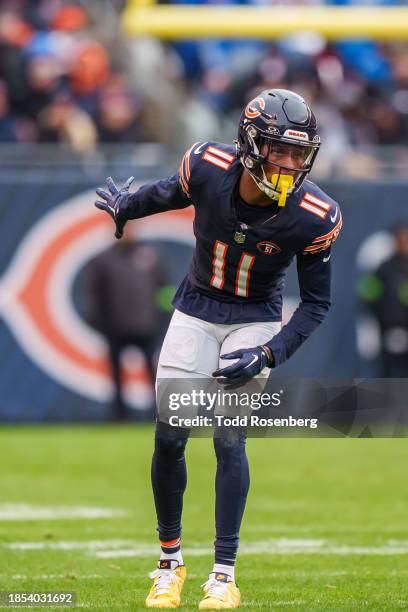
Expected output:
(229, 445)
(170, 442)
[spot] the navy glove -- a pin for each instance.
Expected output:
(115, 203)
(251, 362)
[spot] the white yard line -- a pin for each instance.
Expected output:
(73, 578)
(87, 545)
(110, 549)
(253, 550)
(141, 552)
(269, 573)
(26, 512)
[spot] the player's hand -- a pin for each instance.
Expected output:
(115, 203)
(250, 363)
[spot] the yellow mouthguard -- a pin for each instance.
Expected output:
(282, 183)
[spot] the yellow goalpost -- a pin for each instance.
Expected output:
(145, 18)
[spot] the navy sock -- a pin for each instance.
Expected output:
(169, 479)
(231, 484)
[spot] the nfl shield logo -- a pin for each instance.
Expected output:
(239, 237)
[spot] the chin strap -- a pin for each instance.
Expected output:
(271, 193)
(281, 183)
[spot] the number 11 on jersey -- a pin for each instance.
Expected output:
(243, 271)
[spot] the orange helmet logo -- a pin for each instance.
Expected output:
(253, 109)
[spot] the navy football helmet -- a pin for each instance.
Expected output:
(273, 123)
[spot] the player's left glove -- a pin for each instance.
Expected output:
(251, 362)
(115, 203)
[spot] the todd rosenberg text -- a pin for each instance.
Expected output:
(252, 420)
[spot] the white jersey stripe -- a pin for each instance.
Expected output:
(311, 198)
(313, 209)
(220, 153)
(216, 161)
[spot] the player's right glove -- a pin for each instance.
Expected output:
(251, 361)
(115, 203)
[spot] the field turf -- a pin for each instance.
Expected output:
(326, 526)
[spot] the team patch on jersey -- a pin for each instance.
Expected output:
(322, 243)
(268, 248)
(315, 206)
(218, 157)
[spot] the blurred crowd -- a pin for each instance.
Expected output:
(60, 80)
(69, 74)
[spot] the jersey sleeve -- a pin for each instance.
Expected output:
(314, 276)
(328, 234)
(165, 194)
(185, 171)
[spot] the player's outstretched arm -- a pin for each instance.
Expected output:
(115, 203)
(151, 198)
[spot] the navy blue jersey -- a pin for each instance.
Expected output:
(242, 251)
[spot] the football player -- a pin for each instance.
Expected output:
(255, 211)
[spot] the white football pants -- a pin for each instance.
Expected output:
(192, 347)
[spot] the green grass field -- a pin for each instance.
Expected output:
(326, 526)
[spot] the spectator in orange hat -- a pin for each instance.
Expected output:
(70, 18)
(90, 69)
